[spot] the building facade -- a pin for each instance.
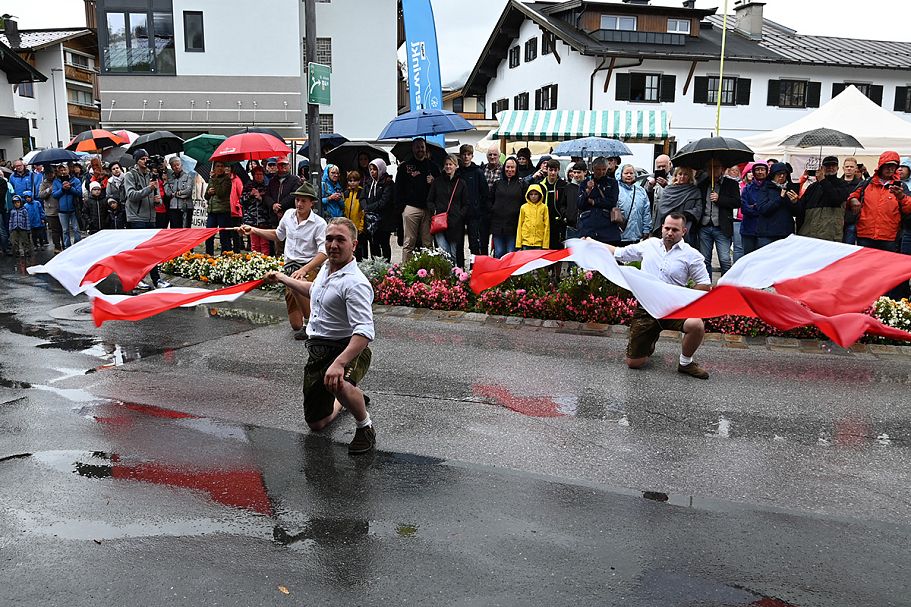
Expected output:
(192, 66)
(67, 103)
(14, 130)
(636, 56)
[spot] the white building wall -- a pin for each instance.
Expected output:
(364, 64)
(43, 107)
(11, 146)
(267, 45)
(689, 121)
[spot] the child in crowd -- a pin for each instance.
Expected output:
(354, 210)
(35, 219)
(20, 230)
(117, 215)
(534, 224)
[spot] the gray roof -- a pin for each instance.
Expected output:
(17, 70)
(792, 47)
(40, 38)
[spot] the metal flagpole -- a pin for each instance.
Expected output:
(724, 37)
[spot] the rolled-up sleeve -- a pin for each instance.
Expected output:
(630, 253)
(359, 302)
(321, 245)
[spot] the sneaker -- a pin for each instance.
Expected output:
(364, 441)
(301, 334)
(162, 284)
(143, 285)
(693, 370)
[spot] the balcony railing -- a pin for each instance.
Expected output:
(142, 60)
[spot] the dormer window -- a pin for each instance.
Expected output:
(618, 23)
(678, 26)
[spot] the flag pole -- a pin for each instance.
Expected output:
(724, 38)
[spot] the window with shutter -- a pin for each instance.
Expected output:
(531, 49)
(668, 88)
(623, 87)
(727, 88)
(520, 101)
(792, 93)
(774, 95)
(814, 90)
(743, 91)
(700, 89)
(902, 99)
(514, 57)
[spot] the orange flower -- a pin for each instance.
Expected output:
(204, 278)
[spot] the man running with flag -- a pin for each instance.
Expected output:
(673, 261)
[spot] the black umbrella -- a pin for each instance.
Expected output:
(333, 140)
(346, 155)
(54, 156)
(822, 138)
(261, 129)
(402, 152)
(118, 154)
(158, 143)
(726, 150)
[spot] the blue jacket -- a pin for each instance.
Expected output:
(776, 212)
(749, 206)
(18, 219)
(69, 201)
(30, 182)
(35, 213)
(594, 210)
(332, 208)
(634, 203)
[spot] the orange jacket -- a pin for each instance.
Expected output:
(880, 218)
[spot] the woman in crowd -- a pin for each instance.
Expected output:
(508, 197)
(523, 158)
(379, 210)
(237, 210)
(363, 168)
(777, 205)
(447, 195)
(681, 196)
(256, 213)
(333, 192)
(633, 203)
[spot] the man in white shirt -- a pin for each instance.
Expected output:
(673, 261)
(304, 235)
(338, 335)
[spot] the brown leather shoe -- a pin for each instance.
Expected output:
(693, 370)
(364, 441)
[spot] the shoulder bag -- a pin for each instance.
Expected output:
(440, 221)
(616, 213)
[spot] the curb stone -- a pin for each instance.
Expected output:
(591, 329)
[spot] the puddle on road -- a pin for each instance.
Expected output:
(252, 316)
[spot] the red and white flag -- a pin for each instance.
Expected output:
(128, 253)
(131, 254)
(818, 283)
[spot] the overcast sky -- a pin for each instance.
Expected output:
(463, 26)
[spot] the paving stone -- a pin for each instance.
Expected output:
(669, 335)
(553, 324)
(595, 327)
(783, 342)
(514, 321)
(739, 339)
(619, 330)
(533, 322)
(712, 337)
(475, 317)
(885, 350)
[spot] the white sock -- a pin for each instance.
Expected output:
(685, 360)
(365, 422)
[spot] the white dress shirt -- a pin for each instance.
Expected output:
(677, 266)
(341, 304)
(303, 239)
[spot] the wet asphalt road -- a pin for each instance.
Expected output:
(165, 462)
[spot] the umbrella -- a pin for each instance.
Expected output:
(261, 129)
(346, 155)
(54, 156)
(118, 154)
(822, 138)
(402, 152)
(128, 136)
(202, 146)
(249, 146)
(592, 146)
(333, 140)
(158, 143)
(6, 171)
(27, 159)
(420, 123)
(94, 139)
(728, 151)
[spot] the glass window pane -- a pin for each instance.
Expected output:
(193, 33)
(140, 58)
(628, 24)
(163, 30)
(114, 55)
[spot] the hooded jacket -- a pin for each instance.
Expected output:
(140, 198)
(35, 211)
(28, 182)
(555, 200)
(776, 212)
(821, 209)
(354, 206)
(69, 201)
(411, 185)
(508, 198)
(220, 198)
(534, 222)
(379, 205)
(96, 209)
(880, 212)
(476, 191)
(633, 202)
(332, 208)
(728, 200)
(256, 212)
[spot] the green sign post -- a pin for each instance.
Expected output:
(318, 83)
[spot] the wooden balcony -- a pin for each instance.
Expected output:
(81, 111)
(79, 74)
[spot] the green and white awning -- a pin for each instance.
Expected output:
(561, 125)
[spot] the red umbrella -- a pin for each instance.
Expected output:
(249, 146)
(95, 139)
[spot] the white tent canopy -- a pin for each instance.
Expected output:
(850, 112)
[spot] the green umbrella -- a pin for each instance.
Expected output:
(202, 147)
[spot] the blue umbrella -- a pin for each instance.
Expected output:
(331, 140)
(54, 156)
(422, 123)
(592, 146)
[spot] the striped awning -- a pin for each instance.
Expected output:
(560, 125)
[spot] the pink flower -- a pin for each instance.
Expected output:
(520, 292)
(589, 276)
(422, 273)
(463, 276)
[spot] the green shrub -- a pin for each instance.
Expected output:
(434, 262)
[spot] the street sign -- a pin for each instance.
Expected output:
(318, 83)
